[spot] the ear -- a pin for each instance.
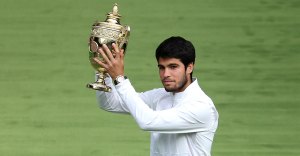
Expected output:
(190, 68)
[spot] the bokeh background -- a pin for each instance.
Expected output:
(247, 62)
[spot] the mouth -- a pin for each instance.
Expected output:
(167, 82)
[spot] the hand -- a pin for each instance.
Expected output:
(113, 63)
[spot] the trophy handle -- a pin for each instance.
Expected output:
(123, 39)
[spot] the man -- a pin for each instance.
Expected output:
(182, 119)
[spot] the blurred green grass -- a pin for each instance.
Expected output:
(247, 61)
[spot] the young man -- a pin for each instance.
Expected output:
(182, 119)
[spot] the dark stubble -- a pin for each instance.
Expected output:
(181, 85)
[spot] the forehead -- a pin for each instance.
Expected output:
(167, 61)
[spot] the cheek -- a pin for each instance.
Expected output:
(180, 73)
(161, 75)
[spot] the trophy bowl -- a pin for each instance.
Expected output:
(106, 32)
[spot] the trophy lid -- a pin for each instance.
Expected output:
(111, 17)
(114, 16)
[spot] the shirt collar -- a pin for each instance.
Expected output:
(189, 90)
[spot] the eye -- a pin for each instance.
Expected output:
(160, 67)
(173, 66)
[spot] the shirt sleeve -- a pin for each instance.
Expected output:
(182, 119)
(111, 101)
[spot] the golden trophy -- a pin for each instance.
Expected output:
(107, 32)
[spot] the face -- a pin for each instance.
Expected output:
(173, 75)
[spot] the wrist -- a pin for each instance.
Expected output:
(119, 79)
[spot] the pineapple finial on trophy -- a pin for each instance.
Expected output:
(115, 9)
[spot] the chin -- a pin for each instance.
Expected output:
(168, 89)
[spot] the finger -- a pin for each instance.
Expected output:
(116, 49)
(105, 58)
(122, 53)
(108, 52)
(102, 64)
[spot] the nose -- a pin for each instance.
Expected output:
(166, 73)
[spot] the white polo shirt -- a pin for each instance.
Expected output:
(181, 124)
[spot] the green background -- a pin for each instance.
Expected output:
(247, 62)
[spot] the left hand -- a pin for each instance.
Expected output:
(114, 64)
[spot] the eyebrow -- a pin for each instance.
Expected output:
(171, 64)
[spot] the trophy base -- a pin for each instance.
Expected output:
(98, 86)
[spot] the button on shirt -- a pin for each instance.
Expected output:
(181, 124)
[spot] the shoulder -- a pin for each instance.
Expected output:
(197, 99)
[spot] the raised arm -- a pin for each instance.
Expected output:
(193, 117)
